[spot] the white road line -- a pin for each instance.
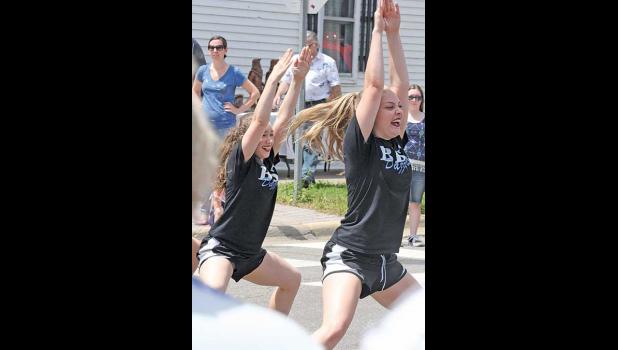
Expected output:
(316, 245)
(313, 284)
(420, 277)
(405, 253)
(303, 263)
(412, 253)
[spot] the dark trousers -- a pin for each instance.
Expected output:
(310, 158)
(313, 103)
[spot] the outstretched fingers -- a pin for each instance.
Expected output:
(301, 65)
(305, 55)
(286, 58)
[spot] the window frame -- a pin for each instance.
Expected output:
(355, 35)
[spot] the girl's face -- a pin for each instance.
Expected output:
(266, 143)
(390, 116)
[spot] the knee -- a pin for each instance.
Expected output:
(335, 331)
(293, 281)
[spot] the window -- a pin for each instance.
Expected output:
(312, 22)
(338, 33)
(345, 27)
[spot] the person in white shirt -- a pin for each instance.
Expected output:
(321, 85)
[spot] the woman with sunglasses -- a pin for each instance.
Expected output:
(415, 149)
(218, 82)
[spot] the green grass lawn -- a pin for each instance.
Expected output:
(323, 197)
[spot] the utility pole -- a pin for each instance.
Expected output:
(298, 153)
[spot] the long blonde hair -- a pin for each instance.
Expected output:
(333, 116)
(233, 137)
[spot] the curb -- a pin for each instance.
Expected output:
(302, 231)
(296, 231)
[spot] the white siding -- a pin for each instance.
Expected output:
(265, 28)
(413, 38)
(253, 29)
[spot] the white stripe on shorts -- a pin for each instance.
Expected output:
(335, 262)
(206, 251)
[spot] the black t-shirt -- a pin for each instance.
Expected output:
(250, 195)
(378, 175)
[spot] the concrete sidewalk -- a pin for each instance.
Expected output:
(302, 224)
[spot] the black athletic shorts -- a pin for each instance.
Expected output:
(377, 272)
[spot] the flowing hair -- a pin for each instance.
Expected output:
(233, 137)
(334, 117)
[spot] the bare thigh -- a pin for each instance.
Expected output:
(216, 272)
(340, 294)
(273, 271)
(388, 296)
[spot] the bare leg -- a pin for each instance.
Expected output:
(340, 293)
(196, 248)
(415, 217)
(388, 296)
(275, 271)
(216, 272)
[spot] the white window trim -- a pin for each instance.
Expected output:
(356, 36)
(355, 48)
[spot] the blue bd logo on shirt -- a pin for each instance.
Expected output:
(399, 163)
(269, 178)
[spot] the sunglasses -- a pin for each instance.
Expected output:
(415, 97)
(218, 47)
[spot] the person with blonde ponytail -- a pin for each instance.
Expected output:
(359, 259)
(249, 153)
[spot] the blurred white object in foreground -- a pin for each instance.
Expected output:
(402, 328)
(221, 322)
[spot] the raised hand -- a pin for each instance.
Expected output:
(392, 17)
(281, 66)
(378, 20)
(300, 67)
